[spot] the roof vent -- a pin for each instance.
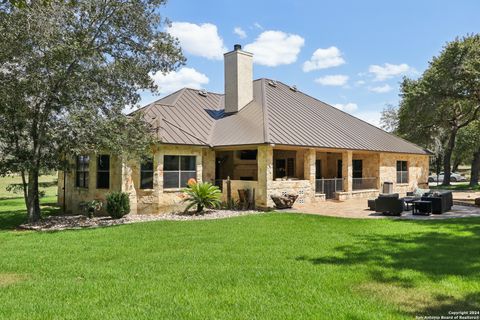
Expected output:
(272, 83)
(202, 92)
(237, 47)
(294, 88)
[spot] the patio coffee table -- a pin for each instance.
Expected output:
(421, 207)
(409, 202)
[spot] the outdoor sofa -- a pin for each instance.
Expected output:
(390, 204)
(441, 201)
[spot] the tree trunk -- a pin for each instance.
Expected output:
(447, 157)
(475, 170)
(33, 201)
(25, 188)
(456, 164)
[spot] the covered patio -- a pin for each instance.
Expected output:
(312, 174)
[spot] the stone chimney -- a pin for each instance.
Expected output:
(238, 79)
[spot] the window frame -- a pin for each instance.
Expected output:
(151, 173)
(82, 168)
(357, 171)
(103, 171)
(179, 171)
(402, 175)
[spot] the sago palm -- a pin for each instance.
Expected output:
(203, 195)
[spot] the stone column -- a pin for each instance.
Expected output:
(379, 170)
(309, 172)
(347, 170)
(128, 186)
(265, 175)
(208, 158)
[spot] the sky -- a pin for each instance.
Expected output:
(350, 54)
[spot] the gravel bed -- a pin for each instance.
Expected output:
(55, 223)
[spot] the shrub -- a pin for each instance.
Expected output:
(90, 207)
(203, 195)
(118, 204)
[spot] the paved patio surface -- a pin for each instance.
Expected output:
(357, 208)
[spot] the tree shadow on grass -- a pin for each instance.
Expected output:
(11, 219)
(398, 264)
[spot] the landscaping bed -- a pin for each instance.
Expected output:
(63, 222)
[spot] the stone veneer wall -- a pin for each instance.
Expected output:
(158, 199)
(237, 185)
(126, 177)
(417, 171)
(74, 195)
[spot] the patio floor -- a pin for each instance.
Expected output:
(357, 208)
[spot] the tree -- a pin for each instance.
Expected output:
(467, 148)
(445, 99)
(68, 68)
(389, 119)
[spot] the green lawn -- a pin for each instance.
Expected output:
(48, 184)
(271, 266)
(456, 187)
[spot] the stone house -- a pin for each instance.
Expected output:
(264, 135)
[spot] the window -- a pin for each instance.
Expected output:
(318, 169)
(103, 171)
(146, 174)
(357, 168)
(402, 172)
(248, 154)
(284, 167)
(339, 169)
(82, 171)
(177, 170)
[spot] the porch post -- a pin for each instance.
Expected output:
(309, 171)
(347, 170)
(265, 175)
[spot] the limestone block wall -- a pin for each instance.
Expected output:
(265, 174)
(370, 164)
(208, 161)
(301, 187)
(158, 199)
(75, 195)
(417, 171)
(237, 185)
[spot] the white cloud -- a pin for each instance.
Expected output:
(347, 107)
(389, 70)
(258, 25)
(199, 40)
(371, 117)
(273, 48)
(332, 80)
(240, 32)
(360, 82)
(175, 80)
(381, 89)
(323, 59)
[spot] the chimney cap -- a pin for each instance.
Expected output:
(237, 47)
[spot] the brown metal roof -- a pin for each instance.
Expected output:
(277, 115)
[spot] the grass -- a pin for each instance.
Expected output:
(270, 266)
(12, 205)
(48, 184)
(461, 186)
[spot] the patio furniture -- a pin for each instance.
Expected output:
(371, 204)
(441, 201)
(389, 204)
(421, 207)
(284, 202)
(409, 202)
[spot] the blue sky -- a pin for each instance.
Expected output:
(356, 51)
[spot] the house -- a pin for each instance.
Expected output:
(263, 135)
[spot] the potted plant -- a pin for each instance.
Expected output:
(93, 206)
